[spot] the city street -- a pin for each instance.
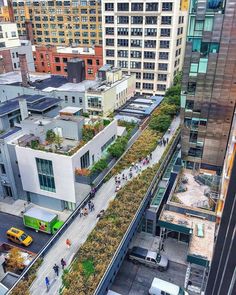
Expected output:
(136, 279)
(7, 221)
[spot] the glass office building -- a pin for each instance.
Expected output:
(209, 83)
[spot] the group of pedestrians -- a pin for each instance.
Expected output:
(89, 207)
(56, 269)
(135, 168)
(163, 141)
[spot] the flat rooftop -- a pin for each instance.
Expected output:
(190, 191)
(199, 245)
(14, 78)
(72, 50)
(35, 103)
(46, 82)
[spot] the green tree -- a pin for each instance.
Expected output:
(169, 109)
(174, 100)
(15, 261)
(160, 123)
(118, 148)
(100, 165)
(50, 136)
(173, 90)
(58, 140)
(178, 78)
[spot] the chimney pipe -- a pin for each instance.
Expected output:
(24, 69)
(23, 108)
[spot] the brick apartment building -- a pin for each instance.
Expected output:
(53, 59)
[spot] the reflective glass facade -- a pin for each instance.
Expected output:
(209, 85)
(45, 174)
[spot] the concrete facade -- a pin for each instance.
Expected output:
(60, 22)
(146, 38)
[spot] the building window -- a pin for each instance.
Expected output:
(149, 65)
(58, 68)
(163, 55)
(108, 143)
(66, 98)
(57, 59)
(109, 7)
(110, 42)
(162, 77)
(85, 160)
(151, 20)
(123, 6)
(167, 6)
(165, 32)
(90, 71)
(73, 99)
(151, 6)
(110, 52)
(45, 174)
(164, 44)
(149, 55)
(2, 169)
(166, 20)
(148, 86)
(109, 19)
(123, 42)
(148, 76)
(161, 87)
(123, 19)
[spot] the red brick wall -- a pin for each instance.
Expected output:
(5, 61)
(45, 61)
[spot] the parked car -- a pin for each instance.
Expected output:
(161, 287)
(150, 258)
(19, 236)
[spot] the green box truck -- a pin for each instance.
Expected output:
(42, 220)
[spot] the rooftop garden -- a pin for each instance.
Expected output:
(56, 144)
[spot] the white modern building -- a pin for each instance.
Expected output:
(147, 38)
(45, 172)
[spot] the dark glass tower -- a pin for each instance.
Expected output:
(209, 83)
(222, 277)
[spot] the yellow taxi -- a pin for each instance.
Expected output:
(19, 236)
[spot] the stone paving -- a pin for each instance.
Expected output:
(79, 230)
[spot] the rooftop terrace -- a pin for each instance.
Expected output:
(202, 231)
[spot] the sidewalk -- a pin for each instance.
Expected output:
(79, 230)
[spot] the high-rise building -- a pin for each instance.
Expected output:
(146, 38)
(59, 22)
(209, 85)
(222, 276)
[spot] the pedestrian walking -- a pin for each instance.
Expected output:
(150, 156)
(164, 142)
(89, 205)
(92, 206)
(123, 176)
(47, 282)
(68, 243)
(80, 213)
(56, 269)
(85, 211)
(169, 130)
(63, 263)
(167, 140)
(162, 247)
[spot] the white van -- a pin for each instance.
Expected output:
(160, 287)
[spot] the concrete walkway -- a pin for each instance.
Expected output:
(79, 230)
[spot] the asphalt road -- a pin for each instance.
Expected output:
(136, 279)
(8, 220)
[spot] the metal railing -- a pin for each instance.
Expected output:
(120, 253)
